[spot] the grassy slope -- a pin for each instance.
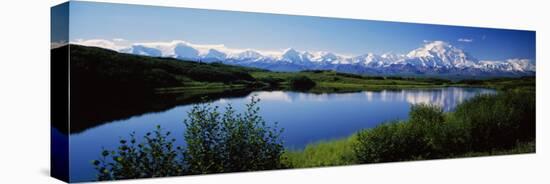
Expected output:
(330, 81)
(101, 67)
(340, 152)
(107, 85)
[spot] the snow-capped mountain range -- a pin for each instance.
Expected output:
(432, 58)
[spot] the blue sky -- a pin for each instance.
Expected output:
(90, 20)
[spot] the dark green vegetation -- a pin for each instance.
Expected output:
(154, 157)
(107, 85)
(321, 81)
(301, 83)
(485, 125)
(215, 143)
(503, 84)
(230, 142)
(105, 70)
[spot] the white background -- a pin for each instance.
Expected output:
(24, 90)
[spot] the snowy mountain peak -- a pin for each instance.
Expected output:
(185, 51)
(432, 49)
(249, 54)
(292, 56)
(215, 55)
(437, 45)
(435, 58)
(290, 52)
(329, 56)
(439, 54)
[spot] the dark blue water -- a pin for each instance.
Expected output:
(305, 117)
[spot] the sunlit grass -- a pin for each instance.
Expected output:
(323, 153)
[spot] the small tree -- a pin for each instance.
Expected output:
(230, 141)
(216, 143)
(154, 157)
(417, 138)
(301, 83)
(427, 124)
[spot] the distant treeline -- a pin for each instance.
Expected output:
(495, 80)
(527, 80)
(367, 77)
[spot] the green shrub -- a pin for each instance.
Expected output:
(397, 141)
(301, 83)
(385, 143)
(230, 142)
(427, 122)
(154, 157)
(483, 124)
(498, 121)
(425, 116)
(216, 143)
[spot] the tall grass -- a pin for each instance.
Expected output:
(324, 153)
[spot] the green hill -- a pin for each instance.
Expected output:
(106, 85)
(100, 68)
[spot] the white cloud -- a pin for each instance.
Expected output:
(100, 43)
(467, 40)
(167, 47)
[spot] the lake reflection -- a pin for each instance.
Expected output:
(305, 117)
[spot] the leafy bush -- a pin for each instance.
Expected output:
(428, 122)
(155, 157)
(216, 143)
(486, 123)
(498, 121)
(415, 139)
(301, 83)
(424, 115)
(230, 142)
(384, 143)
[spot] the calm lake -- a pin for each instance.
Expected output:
(305, 117)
